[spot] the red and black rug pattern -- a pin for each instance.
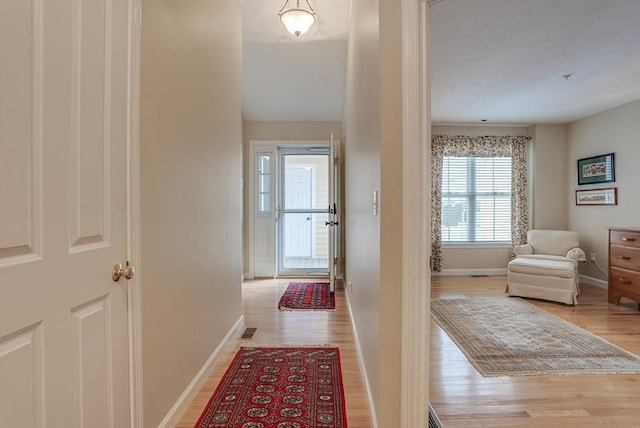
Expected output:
(279, 388)
(307, 296)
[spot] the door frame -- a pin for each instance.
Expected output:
(264, 146)
(134, 237)
(416, 212)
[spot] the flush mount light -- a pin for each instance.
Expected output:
(297, 19)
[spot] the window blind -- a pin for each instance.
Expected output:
(476, 199)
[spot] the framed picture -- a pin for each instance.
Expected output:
(596, 169)
(607, 196)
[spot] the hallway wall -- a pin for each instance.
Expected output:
(191, 163)
(373, 162)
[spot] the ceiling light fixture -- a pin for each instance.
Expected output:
(297, 19)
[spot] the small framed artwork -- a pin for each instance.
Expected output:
(607, 196)
(596, 169)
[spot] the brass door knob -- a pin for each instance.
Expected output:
(118, 271)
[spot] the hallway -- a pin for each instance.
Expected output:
(280, 328)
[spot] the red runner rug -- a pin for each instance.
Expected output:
(279, 388)
(309, 296)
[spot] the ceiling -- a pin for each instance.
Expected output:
(503, 61)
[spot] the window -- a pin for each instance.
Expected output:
(264, 183)
(476, 199)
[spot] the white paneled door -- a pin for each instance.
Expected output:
(64, 106)
(298, 188)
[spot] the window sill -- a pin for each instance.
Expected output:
(476, 245)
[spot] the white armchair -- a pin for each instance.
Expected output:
(546, 267)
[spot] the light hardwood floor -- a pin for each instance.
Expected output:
(279, 328)
(459, 395)
(463, 398)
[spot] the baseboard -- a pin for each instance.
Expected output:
(363, 368)
(176, 412)
(469, 272)
(247, 276)
(594, 281)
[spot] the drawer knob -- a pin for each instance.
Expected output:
(620, 256)
(624, 280)
(626, 238)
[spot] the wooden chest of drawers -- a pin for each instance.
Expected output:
(624, 264)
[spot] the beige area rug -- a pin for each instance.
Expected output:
(509, 337)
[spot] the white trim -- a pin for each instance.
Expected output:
(594, 281)
(416, 284)
(289, 143)
(362, 366)
(469, 272)
(176, 412)
(134, 313)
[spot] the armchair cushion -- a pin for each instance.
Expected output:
(554, 242)
(562, 245)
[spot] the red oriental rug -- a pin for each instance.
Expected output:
(279, 388)
(309, 296)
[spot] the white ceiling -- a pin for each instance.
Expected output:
(499, 60)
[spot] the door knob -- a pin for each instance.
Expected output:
(118, 271)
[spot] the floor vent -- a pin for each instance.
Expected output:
(434, 422)
(248, 333)
(479, 276)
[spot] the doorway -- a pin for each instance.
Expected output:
(294, 214)
(303, 207)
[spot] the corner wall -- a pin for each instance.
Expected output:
(548, 178)
(616, 131)
(191, 163)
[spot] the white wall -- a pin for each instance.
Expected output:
(191, 163)
(373, 139)
(616, 130)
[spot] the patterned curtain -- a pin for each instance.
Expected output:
(476, 146)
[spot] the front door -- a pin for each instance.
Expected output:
(64, 117)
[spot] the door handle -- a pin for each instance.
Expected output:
(118, 271)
